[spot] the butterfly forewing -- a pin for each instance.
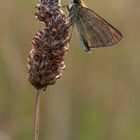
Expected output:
(95, 31)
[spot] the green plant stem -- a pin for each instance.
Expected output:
(37, 114)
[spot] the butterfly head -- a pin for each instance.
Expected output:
(78, 2)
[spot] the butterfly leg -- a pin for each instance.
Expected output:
(64, 6)
(72, 27)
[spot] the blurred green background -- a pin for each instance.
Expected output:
(98, 96)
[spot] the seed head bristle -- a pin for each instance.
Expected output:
(46, 58)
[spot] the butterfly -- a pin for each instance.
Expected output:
(94, 31)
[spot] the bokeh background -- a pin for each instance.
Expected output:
(98, 96)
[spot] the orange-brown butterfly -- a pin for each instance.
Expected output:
(93, 30)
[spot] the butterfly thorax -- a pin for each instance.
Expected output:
(74, 12)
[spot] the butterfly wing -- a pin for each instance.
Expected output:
(84, 35)
(94, 31)
(84, 43)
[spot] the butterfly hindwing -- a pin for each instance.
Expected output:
(84, 43)
(84, 35)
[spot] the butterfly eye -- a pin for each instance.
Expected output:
(76, 1)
